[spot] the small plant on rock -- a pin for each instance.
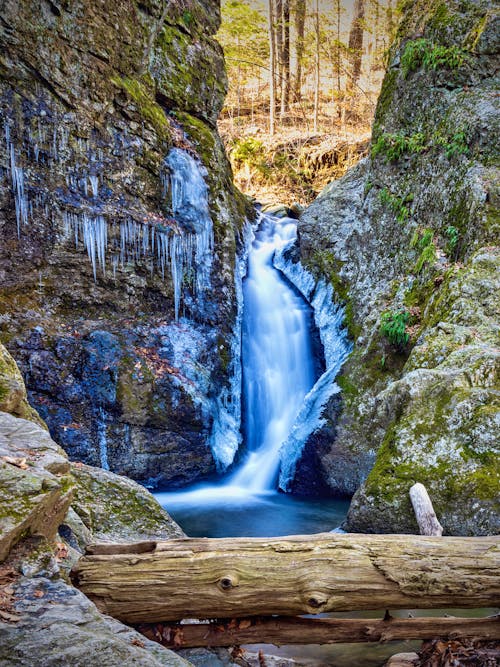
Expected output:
(393, 327)
(396, 204)
(452, 235)
(394, 146)
(424, 53)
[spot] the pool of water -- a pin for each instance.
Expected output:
(231, 512)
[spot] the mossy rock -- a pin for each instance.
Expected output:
(13, 397)
(35, 487)
(116, 509)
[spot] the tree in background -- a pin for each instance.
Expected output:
(356, 42)
(299, 13)
(243, 35)
(272, 67)
(319, 63)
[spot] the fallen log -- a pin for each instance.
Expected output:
(296, 630)
(236, 577)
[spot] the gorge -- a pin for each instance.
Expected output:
(129, 331)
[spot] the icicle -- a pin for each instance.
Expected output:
(94, 184)
(102, 438)
(20, 199)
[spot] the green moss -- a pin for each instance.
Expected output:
(394, 146)
(475, 33)
(385, 101)
(148, 108)
(427, 258)
(325, 264)
(349, 389)
(424, 53)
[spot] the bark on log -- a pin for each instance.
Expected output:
(424, 511)
(235, 577)
(281, 631)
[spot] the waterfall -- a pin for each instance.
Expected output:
(278, 368)
(282, 399)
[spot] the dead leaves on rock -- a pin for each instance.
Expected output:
(166, 635)
(61, 551)
(440, 653)
(7, 578)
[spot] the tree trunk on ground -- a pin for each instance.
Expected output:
(300, 18)
(236, 577)
(318, 631)
(424, 511)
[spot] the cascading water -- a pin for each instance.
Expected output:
(278, 381)
(278, 368)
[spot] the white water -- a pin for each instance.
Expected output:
(278, 380)
(278, 369)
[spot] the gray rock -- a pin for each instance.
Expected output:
(59, 627)
(35, 485)
(426, 411)
(116, 509)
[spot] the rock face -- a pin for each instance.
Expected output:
(407, 239)
(102, 105)
(43, 620)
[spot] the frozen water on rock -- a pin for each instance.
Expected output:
(181, 249)
(226, 438)
(102, 438)
(329, 318)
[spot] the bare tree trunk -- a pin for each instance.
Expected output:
(424, 511)
(272, 69)
(300, 18)
(356, 41)
(317, 67)
(290, 630)
(278, 36)
(235, 577)
(285, 93)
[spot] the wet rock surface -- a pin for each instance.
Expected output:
(93, 263)
(408, 238)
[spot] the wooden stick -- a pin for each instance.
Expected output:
(236, 577)
(424, 511)
(293, 630)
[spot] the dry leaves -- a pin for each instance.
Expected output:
(439, 653)
(138, 642)
(158, 366)
(61, 551)
(7, 577)
(19, 462)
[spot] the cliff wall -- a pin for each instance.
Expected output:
(105, 109)
(408, 240)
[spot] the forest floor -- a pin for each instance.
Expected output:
(295, 164)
